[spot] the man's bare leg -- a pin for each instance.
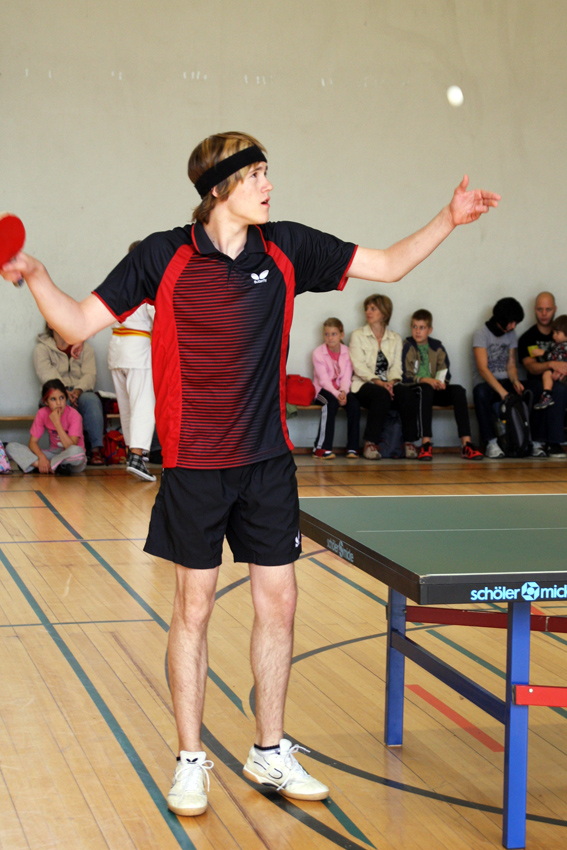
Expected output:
(271, 761)
(187, 651)
(274, 594)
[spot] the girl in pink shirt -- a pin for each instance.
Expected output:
(332, 375)
(66, 452)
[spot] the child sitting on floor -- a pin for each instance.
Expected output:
(425, 365)
(556, 351)
(66, 452)
(332, 375)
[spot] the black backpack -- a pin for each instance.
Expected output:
(514, 412)
(391, 439)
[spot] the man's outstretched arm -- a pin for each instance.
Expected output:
(391, 264)
(74, 320)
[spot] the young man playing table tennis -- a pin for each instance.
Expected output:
(223, 289)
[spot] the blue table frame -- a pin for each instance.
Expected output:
(506, 523)
(514, 717)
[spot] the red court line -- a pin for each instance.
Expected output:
(458, 719)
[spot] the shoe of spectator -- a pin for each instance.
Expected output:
(538, 450)
(96, 457)
(63, 469)
(410, 451)
(470, 452)
(370, 451)
(136, 465)
(352, 454)
(493, 451)
(545, 401)
(324, 453)
(555, 450)
(426, 452)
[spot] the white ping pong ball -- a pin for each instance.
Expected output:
(455, 96)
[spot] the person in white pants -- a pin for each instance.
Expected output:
(130, 364)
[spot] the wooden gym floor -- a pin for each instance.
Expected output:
(87, 736)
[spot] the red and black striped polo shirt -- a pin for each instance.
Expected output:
(221, 333)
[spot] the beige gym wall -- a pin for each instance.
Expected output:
(102, 102)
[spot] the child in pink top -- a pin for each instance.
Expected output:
(332, 375)
(66, 452)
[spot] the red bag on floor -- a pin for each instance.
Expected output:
(114, 447)
(299, 390)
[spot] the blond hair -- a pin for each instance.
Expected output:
(206, 155)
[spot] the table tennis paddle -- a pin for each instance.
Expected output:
(12, 238)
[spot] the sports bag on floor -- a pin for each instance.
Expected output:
(514, 412)
(114, 448)
(390, 444)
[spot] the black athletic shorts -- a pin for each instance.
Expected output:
(255, 506)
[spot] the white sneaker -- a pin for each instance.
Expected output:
(493, 450)
(410, 451)
(188, 796)
(370, 451)
(284, 773)
(538, 450)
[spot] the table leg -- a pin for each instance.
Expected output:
(395, 669)
(516, 741)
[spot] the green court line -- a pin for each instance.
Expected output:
(214, 677)
(73, 623)
(350, 582)
(127, 587)
(468, 653)
(129, 751)
(66, 540)
(136, 596)
(346, 822)
(560, 711)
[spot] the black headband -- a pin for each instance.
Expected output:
(223, 169)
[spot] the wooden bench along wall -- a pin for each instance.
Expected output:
(29, 417)
(318, 407)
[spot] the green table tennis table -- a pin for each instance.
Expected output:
(437, 550)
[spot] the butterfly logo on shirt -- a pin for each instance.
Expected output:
(260, 278)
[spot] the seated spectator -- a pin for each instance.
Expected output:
(548, 425)
(426, 369)
(376, 355)
(495, 367)
(66, 452)
(557, 351)
(130, 364)
(75, 366)
(332, 374)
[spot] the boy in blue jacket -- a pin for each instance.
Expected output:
(425, 364)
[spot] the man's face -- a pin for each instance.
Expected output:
(249, 203)
(545, 310)
(420, 331)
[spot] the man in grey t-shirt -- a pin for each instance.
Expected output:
(495, 367)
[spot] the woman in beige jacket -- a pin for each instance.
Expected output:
(376, 355)
(75, 366)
